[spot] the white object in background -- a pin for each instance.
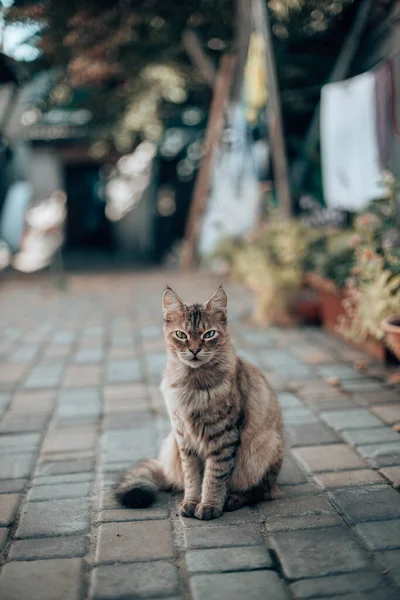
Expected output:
(349, 146)
(234, 203)
(12, 220)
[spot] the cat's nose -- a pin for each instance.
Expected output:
(195, 351)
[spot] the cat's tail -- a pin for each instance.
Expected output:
(138, 486)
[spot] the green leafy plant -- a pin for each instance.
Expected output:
(372, 294)
(373, 290)
(271, 265)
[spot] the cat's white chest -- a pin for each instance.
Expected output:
(171, 398)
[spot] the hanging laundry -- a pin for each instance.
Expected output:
(349, 147)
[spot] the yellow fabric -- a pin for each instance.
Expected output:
(255, 77)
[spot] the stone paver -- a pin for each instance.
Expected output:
(128, 542)
(80, 402)
(155, 579)
(349, 583)
(380, 535)
(236, 586)
(42, 580)
(228, 559)
(328, 458)
(317, 552)
(68, 546)
(367, 503)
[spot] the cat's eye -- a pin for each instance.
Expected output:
(181, 335)
(209, 334)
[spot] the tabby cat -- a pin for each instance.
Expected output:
(226, 445)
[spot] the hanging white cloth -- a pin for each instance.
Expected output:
(349, 146)
(234, 203)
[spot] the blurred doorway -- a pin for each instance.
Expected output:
(87, 226)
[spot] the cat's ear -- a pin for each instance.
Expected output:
(171, 303)
(218, 301)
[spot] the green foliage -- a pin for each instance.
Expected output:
(373, 290)
(373, 294)
(270, 264)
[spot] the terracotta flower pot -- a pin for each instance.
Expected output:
(330, 298)
(391, 327)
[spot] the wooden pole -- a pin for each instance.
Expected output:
(199, 58)
(274, 115)
(340, 71)
(213, 134)
(243, 26)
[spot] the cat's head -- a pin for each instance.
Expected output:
(196, 334)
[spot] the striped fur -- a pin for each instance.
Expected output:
(226, 446)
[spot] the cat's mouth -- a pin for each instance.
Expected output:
(194, 362)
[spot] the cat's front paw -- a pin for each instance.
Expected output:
(206, 512)
(187, 508)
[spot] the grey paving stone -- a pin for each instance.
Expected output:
(392, 474)
(155, 579)
(9, 504)
(318, 552)
(119, 371)
(291, 474)
(350, 419)
(120, 444)
(18, 443)
(332, 457)
(24, 354)
(367, 503)
(89, 356)
(375, 451)
(337, 584)
(390, 560)
(348, 478)
(133, 419)
(298, 416)
(16, 466)
(377, 435)
(370, 398)
(67, 546)
(140, 514)
(17, 423)
(9, 486)
(303, 522)
(303, 489)
(287, 400)
(45, 377)
(220, 560)
(384, 593)
(214, 536)
(58, 579)
(54, 517)
(380, 535)
(62, 479)
(362, 385)
(64, 467)
(65, 439)
(296, 507)
(236, 517)
(385, 460)
(257, 585)
(133, 541)
(57, 492)
(3, 537)
(343, 372)
(310, 434)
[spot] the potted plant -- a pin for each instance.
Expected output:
(327, 272)
(391, 329)
(372, 299)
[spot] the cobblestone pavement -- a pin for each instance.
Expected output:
(79, 401)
